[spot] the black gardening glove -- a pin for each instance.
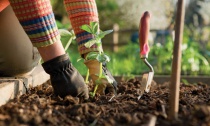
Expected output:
(65, 79)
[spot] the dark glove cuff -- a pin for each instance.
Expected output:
(55, 64)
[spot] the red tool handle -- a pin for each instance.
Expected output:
(144, 34)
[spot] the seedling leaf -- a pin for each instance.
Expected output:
(92, 55)
(106, 57)
(68, 44)
(64, 32)
(103, 33)
(72, 34)
(79, 59)
(103, 58)
(92, 94)
(94, 26)
(66, 38)
(90, 42)
(86, 28)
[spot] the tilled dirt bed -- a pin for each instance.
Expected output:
(40, 107)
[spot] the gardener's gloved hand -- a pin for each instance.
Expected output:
(104, 87)
(65, 79)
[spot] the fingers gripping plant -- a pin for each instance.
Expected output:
(100, 56)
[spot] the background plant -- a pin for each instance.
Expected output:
(127, 61)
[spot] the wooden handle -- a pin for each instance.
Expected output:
(144, 28)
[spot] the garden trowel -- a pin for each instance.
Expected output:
(144, 28)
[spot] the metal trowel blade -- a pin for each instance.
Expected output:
(147, 81)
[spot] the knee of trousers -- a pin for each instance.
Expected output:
(18, 63)
(17, 55)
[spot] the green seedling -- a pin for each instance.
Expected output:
(66, 38)
(100, 56)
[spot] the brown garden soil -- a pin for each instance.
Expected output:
(40, 107)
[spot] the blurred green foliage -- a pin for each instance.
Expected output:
(195, 58)
(58, 8)
(193, 62)
(126, 62)
(108, 11)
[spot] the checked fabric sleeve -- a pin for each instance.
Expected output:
(82, 12)
(38, 21)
